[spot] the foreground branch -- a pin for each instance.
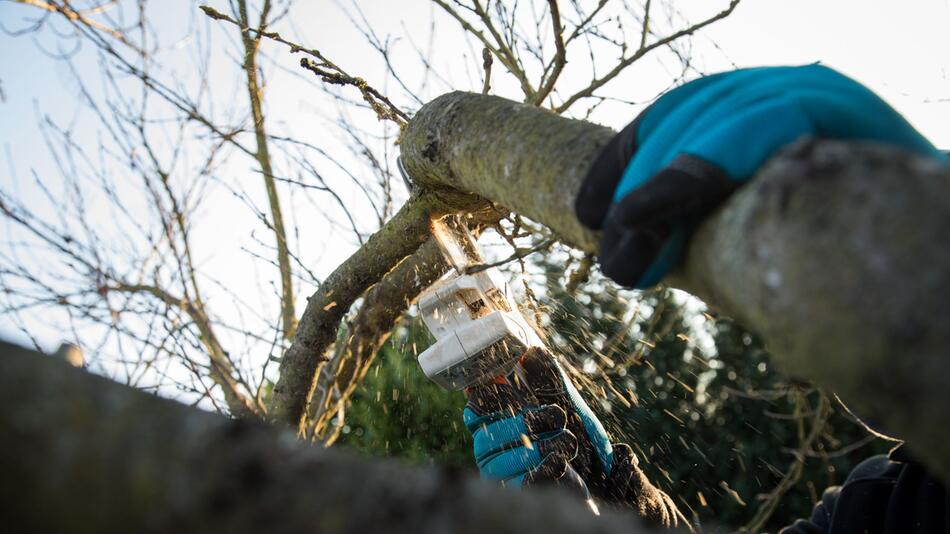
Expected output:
(834, 254)
(83, 454)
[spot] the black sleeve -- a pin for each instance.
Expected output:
(892, 494)
(820, 520)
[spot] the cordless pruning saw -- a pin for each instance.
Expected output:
(480, 332)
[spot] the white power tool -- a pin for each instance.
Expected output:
(479, 331)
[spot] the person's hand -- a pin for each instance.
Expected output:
(517, 441)
(685, 154)
(551, 386)
(610, 471)
(628, 487)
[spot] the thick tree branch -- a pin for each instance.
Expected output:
(833, 253)
(382, 306)
(318, 326)
(83, 454)
(519, 156)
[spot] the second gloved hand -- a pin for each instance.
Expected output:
(610, 471)
(517, 441)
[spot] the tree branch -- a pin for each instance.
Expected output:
(501, 50)
(255, 93)
(323, 67)
(82, 452)
(78, 16)
(367, 333)
(398, 238)
(221, 370)
(831, 254)
(560, 55)
(382, 306)
(643, 50)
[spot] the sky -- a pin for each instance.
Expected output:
(897, 49)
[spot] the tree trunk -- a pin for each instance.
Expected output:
(835, 253)
(83, 454)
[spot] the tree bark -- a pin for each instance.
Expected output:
(352, 358)
(318, 326)
(83, 454)
(835, 254)
(369, 329)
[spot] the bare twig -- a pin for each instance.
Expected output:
(519, 254)
(794, 472)
(328, 71)
(255, 93)
(80, 17)
(560, 55)
(597, 83)
(498, 48)
(486, 66)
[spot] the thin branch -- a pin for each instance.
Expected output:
(327, 70)
(519, 254)
(597, 83)
(288, 313)
(74, 15)
(560, 55)
(222, 369)
(486, 66)
(794, 473)
(500, 50)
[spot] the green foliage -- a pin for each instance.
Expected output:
(716, 422)
(397, 411)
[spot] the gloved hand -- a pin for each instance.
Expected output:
(682, 156)
(551, 386)
(517, 441)
(611, 471)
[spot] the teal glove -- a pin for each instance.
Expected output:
(611, 472)
(551, 386)
(684, 155)
(517, 441)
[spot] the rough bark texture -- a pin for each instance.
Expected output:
(400, 237)
(383, 306)
(835, 253)
(522, 157)
(838, 257)
(83, 454)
